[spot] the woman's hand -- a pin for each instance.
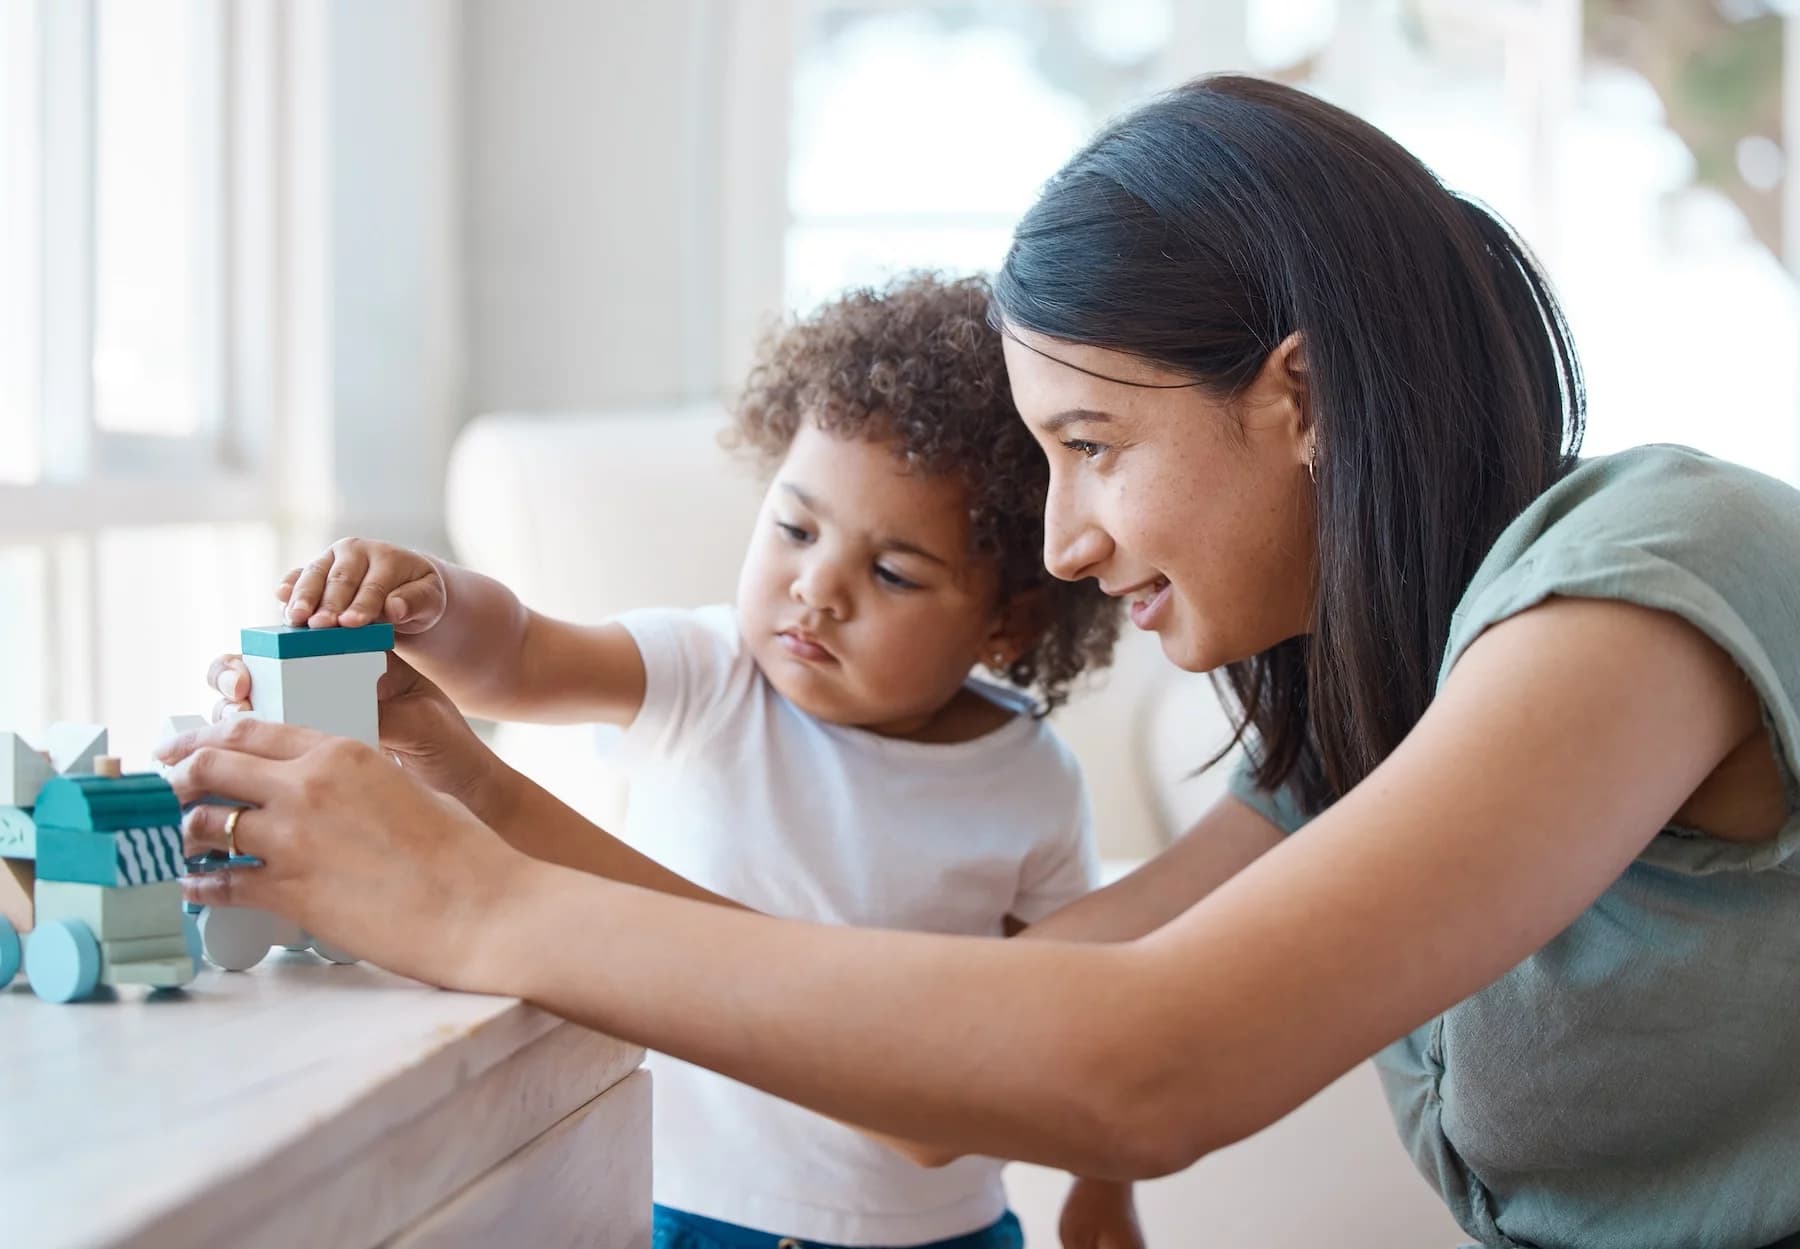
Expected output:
(420, 727)
(359, 581)
(354, 849)
(1100, 1214)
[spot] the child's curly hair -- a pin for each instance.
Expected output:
(918, 364)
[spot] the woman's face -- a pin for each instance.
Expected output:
(1198, 511)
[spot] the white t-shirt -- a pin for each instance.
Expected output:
(739, 790)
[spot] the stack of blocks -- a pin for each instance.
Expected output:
(94, 860)
(320, 679)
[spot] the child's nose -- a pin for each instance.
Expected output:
(819, 586)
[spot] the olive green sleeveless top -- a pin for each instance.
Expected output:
(1635, 1084)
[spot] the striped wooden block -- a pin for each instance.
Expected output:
(126, 856)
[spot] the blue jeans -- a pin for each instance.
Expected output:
(676, 1229)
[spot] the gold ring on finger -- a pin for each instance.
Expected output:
(231, 820)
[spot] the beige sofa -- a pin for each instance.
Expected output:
(590, 514)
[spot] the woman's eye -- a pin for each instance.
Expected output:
(793, 533)
(887, 576)
(1082, 447)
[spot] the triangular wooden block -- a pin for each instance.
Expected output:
(23, 772)
(74, 747)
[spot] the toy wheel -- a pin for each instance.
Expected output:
(63, 960)
(235, 937)
(331, 953)
(11, 951)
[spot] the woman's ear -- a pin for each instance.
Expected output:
(1018, 625)
(1281, 393)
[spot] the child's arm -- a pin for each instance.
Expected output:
(472, 636)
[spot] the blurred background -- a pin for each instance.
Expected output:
(275, 271)
(261, 261)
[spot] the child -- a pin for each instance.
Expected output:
(819, 749)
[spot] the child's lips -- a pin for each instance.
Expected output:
(804, 646)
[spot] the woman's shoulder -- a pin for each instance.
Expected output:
(1657, 490)
(1646, 508)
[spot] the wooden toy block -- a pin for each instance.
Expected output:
(300, 642)
(18, 834)
(23, 771)
(162, 973)
(236, 938)
(146, 949)
(109, 767)
(114, 915)
(17, 905)
(74, 747)
(12, 953)
(332, 693)
(101, 804)
(121, 857)
(62, 960)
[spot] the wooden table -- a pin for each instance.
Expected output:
(302, 1103)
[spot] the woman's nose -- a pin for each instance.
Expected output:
(1074, 546)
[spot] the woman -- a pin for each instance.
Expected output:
(1317, 417)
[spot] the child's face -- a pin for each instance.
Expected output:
(859, 597)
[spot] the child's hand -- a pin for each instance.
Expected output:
(358, 581)
(420, 727)
(1100, 1214)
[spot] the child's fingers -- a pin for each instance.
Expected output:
(418, 604)
(350, 564)
(229, 675)
(309, 587)
(284, 589)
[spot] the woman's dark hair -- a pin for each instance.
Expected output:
(917, 365)
(1203, 229)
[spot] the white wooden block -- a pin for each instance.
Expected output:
(236, 938)
(332, 693)
(74, 747)
(23, 772)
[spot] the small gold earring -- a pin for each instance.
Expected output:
(1312, 463)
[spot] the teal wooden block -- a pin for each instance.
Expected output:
(62, 959)
(130, 856)
(12, 953)
(18, 834)
(107, 803)
(300, 642)
(114, 914)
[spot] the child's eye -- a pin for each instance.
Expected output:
(1082, 447)
(793, 533)
(887, 576)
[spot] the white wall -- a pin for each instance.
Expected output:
(594, 201)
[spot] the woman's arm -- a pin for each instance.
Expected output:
(1563, 741)
(535, 821)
